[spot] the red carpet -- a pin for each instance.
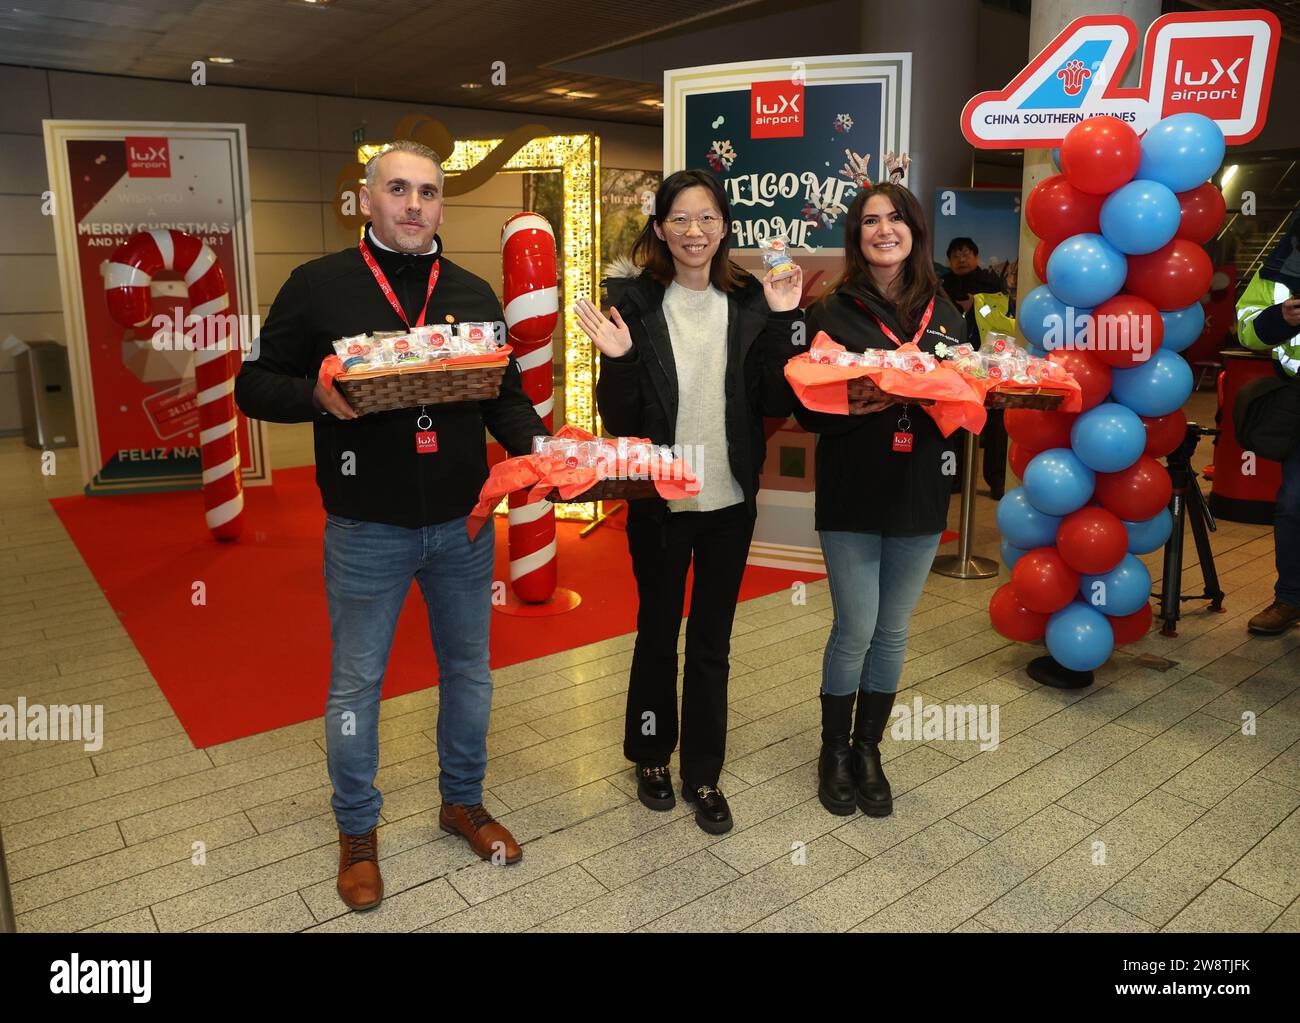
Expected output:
(256, 655)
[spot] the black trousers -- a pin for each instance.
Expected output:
(718, 543)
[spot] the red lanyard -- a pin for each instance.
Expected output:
(925, 322)
(387, 288)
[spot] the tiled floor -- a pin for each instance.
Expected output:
(1139, 804)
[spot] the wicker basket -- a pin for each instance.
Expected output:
(611, 489)
(1024, 397)
(858, 388)
(382, 390)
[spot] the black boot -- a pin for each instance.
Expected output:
(873, 795)
(834, 770)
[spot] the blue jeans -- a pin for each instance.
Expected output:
(368, 571)
(1286, 531)
(875, 582)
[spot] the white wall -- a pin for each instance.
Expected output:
(297, 144)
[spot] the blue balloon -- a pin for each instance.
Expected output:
(1150, 534)
(1079, 637)
(1057, 482)
(1108, 437)
(1140, 217)
(1049, 324)
(1155, 387)
(1010, 554)
(1085, 270)
(1023, 525)
(1036, 352)
(1121, 591)
(1056, 159)
(1181, 151)
(1183, 327)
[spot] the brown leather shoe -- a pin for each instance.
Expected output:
(360, 884)
(490, 840)
(1275, 619)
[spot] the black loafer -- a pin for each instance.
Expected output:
(654, 787)
(711, 810)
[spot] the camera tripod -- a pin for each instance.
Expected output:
(1187, 503)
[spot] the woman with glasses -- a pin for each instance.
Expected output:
(882, 488)
(691, 357)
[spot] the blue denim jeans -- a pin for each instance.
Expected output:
(1286, 531)
(875, 582)
(368, 571)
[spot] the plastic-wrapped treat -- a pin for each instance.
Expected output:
(354, 352)
(775, 258)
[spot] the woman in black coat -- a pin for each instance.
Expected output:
(691, 357)
(884, 478)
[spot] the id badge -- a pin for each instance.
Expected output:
(426, 440)
(903, 435)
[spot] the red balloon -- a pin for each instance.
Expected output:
(1135, 493)
(1042, 253)
(1055, 210)
(1164, 433)
(1126, 331)
(1131, 628)
(1092, 375)
(1039, 428)
(1100, 154)
(1203, 211)
(1013, 620)
(1019, 456)
(1092, 540)
(1043, 582)
(1172, 277)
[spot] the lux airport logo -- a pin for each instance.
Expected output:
(1217, 63)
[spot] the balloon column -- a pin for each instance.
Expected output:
(1121, 229)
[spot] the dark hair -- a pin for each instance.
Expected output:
(919, 282)
(651, 252)
(962, 243)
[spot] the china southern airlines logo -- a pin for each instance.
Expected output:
(1072, 75)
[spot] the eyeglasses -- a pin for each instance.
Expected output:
(681, 223)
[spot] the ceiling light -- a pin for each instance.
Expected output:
(221, 60)
(580, 95)
(1227, 176)
(471, 85)
(652, 102)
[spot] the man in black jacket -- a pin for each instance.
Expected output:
(397, 487)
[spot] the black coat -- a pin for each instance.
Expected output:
(385, 480)
(637, 392)
(863, 485)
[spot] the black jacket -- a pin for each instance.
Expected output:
(863, 485)
(385, 479)
(637, 392)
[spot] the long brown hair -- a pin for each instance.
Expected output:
(652, 253)
(919, 282)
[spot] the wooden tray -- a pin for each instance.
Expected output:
(611, 489)
(382, 390)
(1024, 397)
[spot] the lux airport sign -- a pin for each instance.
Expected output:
(1217, 63)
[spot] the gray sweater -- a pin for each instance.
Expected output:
(697, 326)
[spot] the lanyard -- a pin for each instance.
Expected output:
(925, 322)
(387, 288)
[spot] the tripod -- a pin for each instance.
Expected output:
(1187, 503)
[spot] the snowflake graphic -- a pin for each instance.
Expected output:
(843, 122)
(721, 155)
(821, 212)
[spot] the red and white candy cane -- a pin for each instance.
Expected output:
(532, 309)
(127, 278)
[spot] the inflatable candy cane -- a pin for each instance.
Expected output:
(127, 278)
(532, 309)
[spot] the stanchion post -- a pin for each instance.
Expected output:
(963, 564)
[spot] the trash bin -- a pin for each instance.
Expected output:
(45, 396)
